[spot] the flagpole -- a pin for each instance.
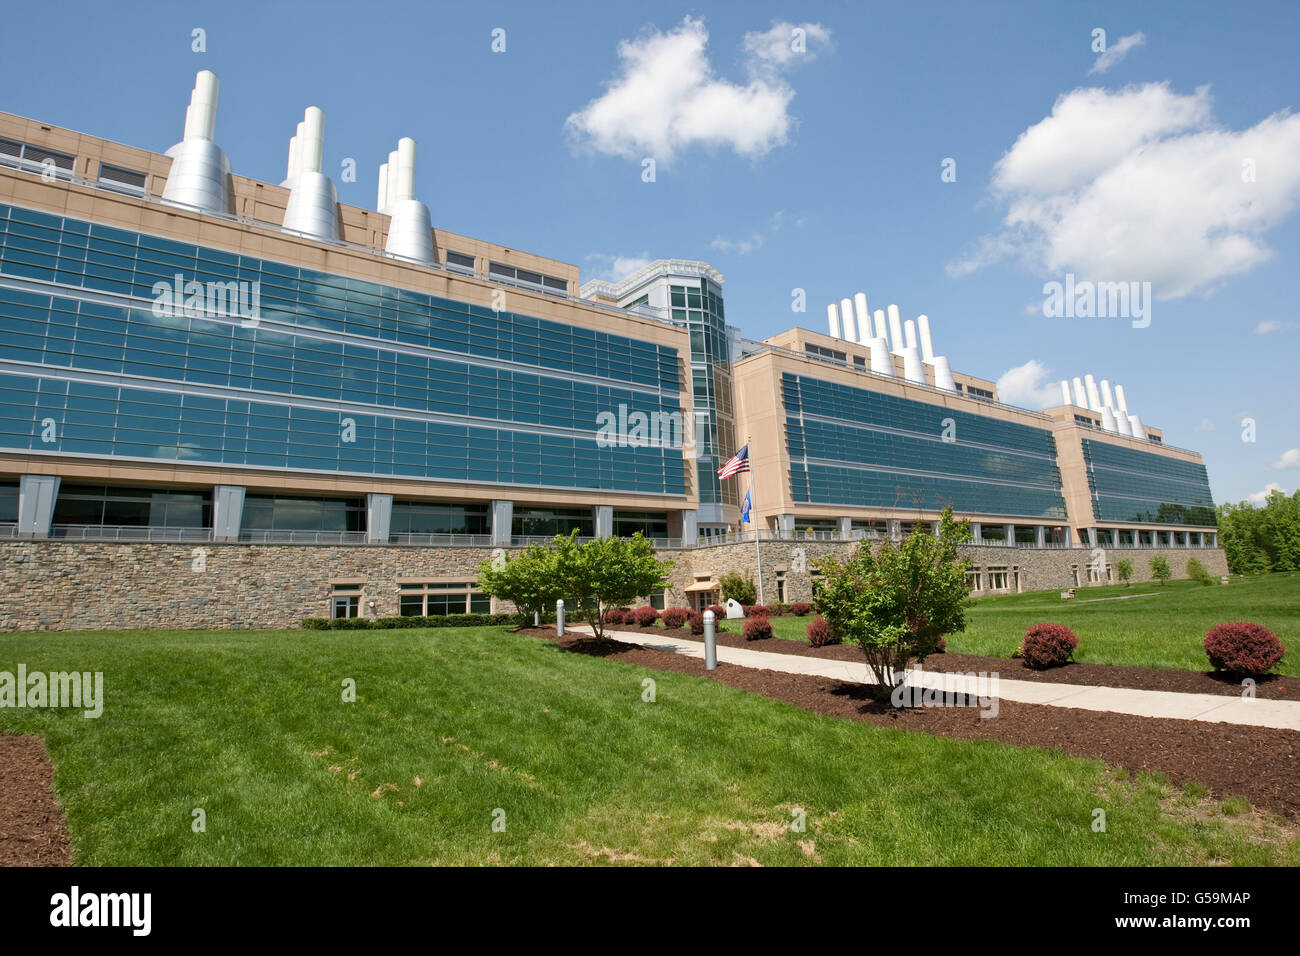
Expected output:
(753, 519)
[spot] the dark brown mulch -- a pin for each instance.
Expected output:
(1259, 763)
(33, 829)
(1271, 687)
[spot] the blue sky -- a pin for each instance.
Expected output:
(817, 170)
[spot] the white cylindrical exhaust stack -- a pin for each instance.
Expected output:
(882, 327)
(404, 187)
(895, 331)
(313, 207)
(201, 116)
(943, 374)
(846, 318)
(913, 367)
(1122, 424)
(200, 171)
(927, 347)
(882, 361)
(410, 227)
(1065, 393)
(909, 335)
(1121, 403)
(381, 201)
(863, 316)
(1094, 398)
(1108, 420)
(833, 319)
(1135, 426)
(1080, 396)
(1107, 398)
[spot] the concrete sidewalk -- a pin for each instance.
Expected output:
(1280, 714)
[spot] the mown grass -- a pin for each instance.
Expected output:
(1153, 626)
(251, 727)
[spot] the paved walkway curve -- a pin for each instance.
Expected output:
(1214, 708)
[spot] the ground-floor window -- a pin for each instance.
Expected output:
(440, 598)
(656, 599)
(999, 579)
(816, 577)
(973, 580)
(1074, 575)
(780, 586)
(345, 600)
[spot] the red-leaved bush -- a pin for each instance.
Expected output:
(614, 615)
(758, 610)
(800, 608)
(1241, 647)
(696, 620)
(820, 633)
(719, 611)
(757, 629)
(675, 616)
(645, 616)
(1048, 645)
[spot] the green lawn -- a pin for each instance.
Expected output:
(1164, 628)
(250, 726)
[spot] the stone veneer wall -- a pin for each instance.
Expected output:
(57, 585)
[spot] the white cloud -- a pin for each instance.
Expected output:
(612, 268)
(780, 47)
(1116, 52)
(1259, 497)
(666, 97)
(1206, 425)
(741, 247)
(1267, 326)
(1290, 459)
(1028, 386)
(1141, 185)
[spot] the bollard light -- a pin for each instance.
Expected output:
(559, 617)
(710, 643)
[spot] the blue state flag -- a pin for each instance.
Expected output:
(744, 510)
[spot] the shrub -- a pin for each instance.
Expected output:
(1160, 568)
(1048, 645)
(739, 589)
(800, 608)
(645, 616)
(614, 615)
(757, 629)
(719, 611)
(820, 633)
(696, 620)
(1243, 648)
(314, 623)
(779, 609)
(675, 616)
(1124, 570)
(758, 610)
(1197, 572)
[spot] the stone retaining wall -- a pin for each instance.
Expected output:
(57, 585)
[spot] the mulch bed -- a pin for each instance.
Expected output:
(1259, 763)
(1271, 687)
(33, 828)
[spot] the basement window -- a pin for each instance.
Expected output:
(438, 599)
(345, 601)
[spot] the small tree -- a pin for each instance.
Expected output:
(529, 580)
(741, 590)
(1160, 568)
(1124, 570)
(899, 602)
(607, 572)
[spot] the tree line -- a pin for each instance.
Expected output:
(1259, 539)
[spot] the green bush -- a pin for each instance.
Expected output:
(314, 624)
(1160, 568)
(1197, 572)
(741, 590)
(389, 623)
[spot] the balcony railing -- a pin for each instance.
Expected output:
(118, 532)
(302, 537)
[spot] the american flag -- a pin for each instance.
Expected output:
(738, 462)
